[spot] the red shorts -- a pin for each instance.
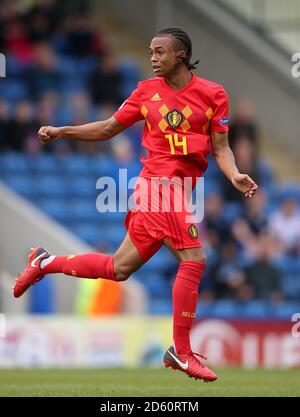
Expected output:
(147, 231)
(155, 218)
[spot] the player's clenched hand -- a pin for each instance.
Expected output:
(48, 134)
(245, 184)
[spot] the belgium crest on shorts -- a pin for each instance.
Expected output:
(174, 118)
(193, 231)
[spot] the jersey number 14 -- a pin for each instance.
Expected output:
(174, 141)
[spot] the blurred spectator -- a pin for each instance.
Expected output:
(32, 146)
(246, 158)
(246, 161)
(212, 242)
(3, 125)
(47, 108)
(16, 42)
(82, 40)
(135, 133)
(285, 225)
(228, 274)
(79, 104)
(62, 149)
(105, 111)
(262, 275)
(256, 213)
(244, 237)
(214, 216)
(243, 124)
(105, 82)
(122, 150)
(38, 22)
(44, 74)
(21, 126)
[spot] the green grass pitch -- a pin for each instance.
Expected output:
(146, 382)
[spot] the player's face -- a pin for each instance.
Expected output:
(164, 56)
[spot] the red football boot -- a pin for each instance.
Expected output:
(32, 273)
(189, 364)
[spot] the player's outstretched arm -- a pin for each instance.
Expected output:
(225, 160)
(91, 132)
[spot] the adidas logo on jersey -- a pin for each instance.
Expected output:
(156, 97)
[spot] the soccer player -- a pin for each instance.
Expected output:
(185, 116)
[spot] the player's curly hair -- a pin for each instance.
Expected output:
(184, 39)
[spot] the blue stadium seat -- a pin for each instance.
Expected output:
(83, 210)
(45, 164)
(265, 175)
(104, 166)
(285, 310)
(225, 309)
(86, 66)
(76, 69)
(84, 187)
(67, 66)
(254, 309)
(133, 169)
(291, 286)
(50, 186)
(280, 193)
(160, 307)
(73, 85)
(205, 310)
(232, 211)
(75, 165)
(282, 263)
(211, 186)
(294, 266)
(114, 235)
(161, 261)
(288, 265)
(62, 117)
(13, 90)
(111, 218)
(89, 233)
(42, 297)
(212, 172)
(55, 208)
(14, 163)
(130, 77)
(74, 78)
(22, 185)
(157, 285)
(14, 68)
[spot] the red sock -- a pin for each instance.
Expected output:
(185, 299)
(89, 265)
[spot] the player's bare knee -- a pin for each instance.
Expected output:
(122, 277)
(196, 255)
(200, 257)
(122, 273)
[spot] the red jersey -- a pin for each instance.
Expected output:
(178, 124)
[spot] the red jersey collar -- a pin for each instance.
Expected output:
(181, 89)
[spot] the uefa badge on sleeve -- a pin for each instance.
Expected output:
(224, 121)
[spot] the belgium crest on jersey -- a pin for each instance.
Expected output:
(193, 231)
(174, 118)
